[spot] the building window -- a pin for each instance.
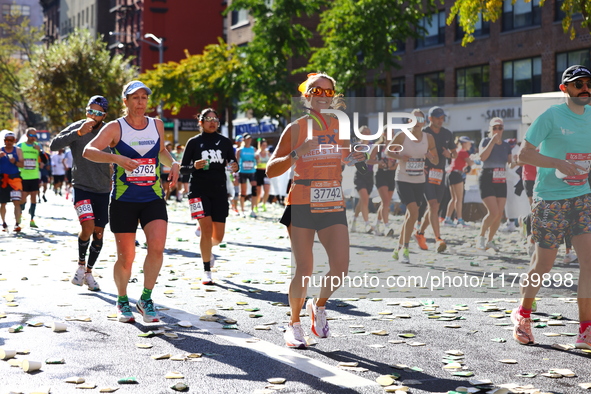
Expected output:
(397, 92)
(15, 10)
(522, 77)
(481, 28)
(239, 18)
(400, 46)
(472, 81)
(435, 30)
(380, 100)
(521, 14)
(567, 59)
(429, 86)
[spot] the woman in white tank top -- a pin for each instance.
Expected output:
(410, 177)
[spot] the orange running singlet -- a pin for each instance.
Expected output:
(317, 174)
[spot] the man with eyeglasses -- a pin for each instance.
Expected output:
(92, 184)
(11, 160)
(562, 198)
(30, 171)
(435, 186)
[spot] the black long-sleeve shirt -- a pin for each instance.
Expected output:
(213, 146)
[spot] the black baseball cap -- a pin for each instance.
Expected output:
(100, 101)
(436, 112)
(575, 72)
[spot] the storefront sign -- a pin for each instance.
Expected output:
(505, 113)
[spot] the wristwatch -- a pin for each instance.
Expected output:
(294, 155)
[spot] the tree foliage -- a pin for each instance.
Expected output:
(364, 35)
(198, 80)
(63, 76)
(468, 12)
(16, 48)
(278, 38)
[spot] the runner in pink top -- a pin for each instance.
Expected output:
(460, 166)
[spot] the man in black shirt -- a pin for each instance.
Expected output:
(435, 186)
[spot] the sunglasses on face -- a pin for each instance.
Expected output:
(95, 112)
(317, 91)
(420, 119)
(211, 119)
(9, 140)
(32, 135)
(579, 84)
(498, 127)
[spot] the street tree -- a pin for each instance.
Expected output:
(278, 39)
(64, 75)
(468, 13)
(198, 80)
(16, 48)
(361, 36)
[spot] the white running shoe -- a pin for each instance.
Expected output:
(91, 282)
(481, 243)
(493, 246)
(319, 325)
(353, 226)
(78, 278)
(404, 256)
(294, 336)
(570, 257)
(389, 231)
(508, 227)
(448, 222)
(379, 228)
(207, 278)
(124, 314)
(147, 310)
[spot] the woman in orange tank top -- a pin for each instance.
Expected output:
(315, 203)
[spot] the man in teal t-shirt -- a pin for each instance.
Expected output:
(562, 207)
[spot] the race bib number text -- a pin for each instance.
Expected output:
(196, 207)
(415, 166)
(435, 176)
(499, 175)
(326, 196)
(582, 160)
(144, 174)
(30, 164)
(247, 165)
(84, 210)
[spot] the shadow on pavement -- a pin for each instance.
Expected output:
(427, 382)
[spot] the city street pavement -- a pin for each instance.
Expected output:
(234, 339)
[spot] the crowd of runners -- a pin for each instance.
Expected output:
(123, 173)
